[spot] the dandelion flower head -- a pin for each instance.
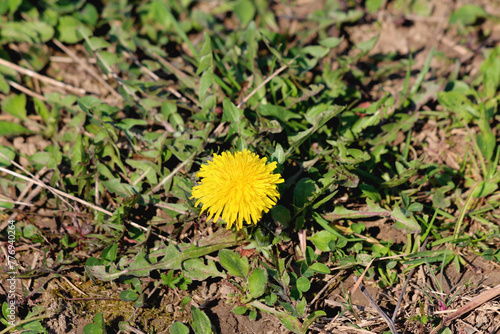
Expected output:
(237, 187)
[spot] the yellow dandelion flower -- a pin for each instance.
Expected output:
(237, 187)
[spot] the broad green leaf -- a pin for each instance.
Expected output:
(240, 310)
(373, 5)
(321, 240)
(129, 296)
(178, 328)
(206, 81)
(201, 323)
(29, 32)
(235, 264)
(128, 123)
(439, 199)
(7, 205)
(252, 38)
(30, 232)
(206, 57)
(484, 189)
(331, 42)
(4, 85)
(315, 51)
(88, 102)
(234, 116)
(6, 310)
(320, 268)
(67, 29)
(301, 307)
(49, 159)
(257, 282)
(368, 45)
(363, 259)
(145, 167)
(15, 105)
(14, 5)
(281, 215)
(486, 141)
(303, 189)
(9, 153)
(303, 284)
(245, 11)
(282, 114)
(92, 329)
(290, 322)
(88, 14)
(490, 69)
(467, 14)
(41, 109)
(311, 319)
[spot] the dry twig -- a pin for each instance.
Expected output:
(43, 78)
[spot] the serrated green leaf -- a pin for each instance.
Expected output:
(140, 266)
(196, 269)
(110, 253)
(172, 259)
(278, 155)
(121, 189)
(403, 222)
